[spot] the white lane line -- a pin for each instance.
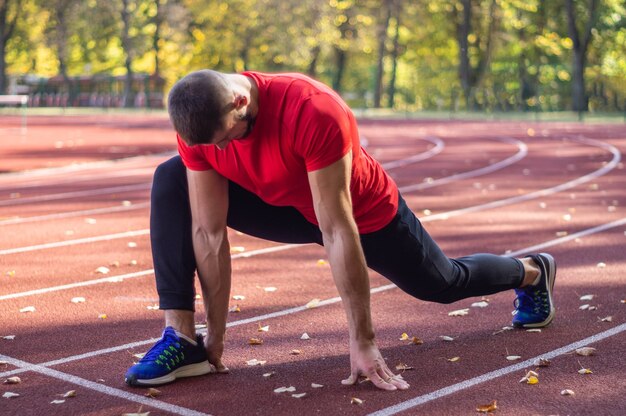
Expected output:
(492, 375)
(521, 153)
(74, 242)
(439, 146)
(297, 309)
(542, 192)
(76, 194)
(101, 388)
(71, 214)
(119, 278)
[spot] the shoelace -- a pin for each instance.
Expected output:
(166, 352)
(536, 301)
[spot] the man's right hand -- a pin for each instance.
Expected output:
(214, 350)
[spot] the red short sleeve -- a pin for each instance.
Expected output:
(192, 156)
(324, 132)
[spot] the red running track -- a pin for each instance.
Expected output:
(74, 196)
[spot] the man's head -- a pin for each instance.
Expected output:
(205, 107)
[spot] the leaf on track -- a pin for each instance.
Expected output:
(28, 309)
(356, 400)
(316, 386)
(9, 337)
(305, 336)
(454, 359)
(265, 328)
(403, 367)
(255, 341)
(284, 389)
(13, 380)
(404, 337)
(534, 330)
(234, 309)
(237, 249)
(152, 392)
(446, 338)
(57, 401)
(78, 299)
(606, 319)
(567, 392)
(513, 357)
(295, 352)
(543, 362)
(531, 377)
(238, 297)
(71, 393)
(322, 262)
(298, 395)
(459, 312)
(102, 316)
(270, 374)
(313, 303)
(11, 273)
(487, 408)
(585, 371)
(586, 297)
(254, 362)
(481, 304)
(9, 395)
(270, 289)
(586, 351)
(601, 265)
(102, 270)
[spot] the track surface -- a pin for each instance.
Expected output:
(74, 196)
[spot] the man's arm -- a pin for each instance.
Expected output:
(330, 188)
(208, 196)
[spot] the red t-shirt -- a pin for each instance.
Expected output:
(301, 126)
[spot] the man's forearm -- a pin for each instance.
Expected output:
(351, 278)
(214, 271)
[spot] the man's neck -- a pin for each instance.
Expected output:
(246, 86)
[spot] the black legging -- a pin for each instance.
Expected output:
(402, 251)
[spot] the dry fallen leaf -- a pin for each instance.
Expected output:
(234, 308)
(316, 386)
(28, 309)
(313, 303)
(487, 408)
(152, 392)
(285, 389)
(265, 328)
(136, 414)
(13, 380)
(237, 249)
(305, 336)
(255, 341)
(11, 273)
(601, 265)
(584, 307)
(8, 395)
(513, 357)
(567, 392)
(254, 362)
(586, 297)
(270, 374)
(481, 304)
(459, 312)
(239, 297)
(57, 402)
(270, 289)
(298, 395)
(102, 316)
(543, 362)
(403, 367)
(71, 393)
(586, 351)
(356, 400)
(531, 377)
(453, 359)
(534, 330)
(416, 341)
(78, 299)
(295, 352)
(9, 337)
(404, 337)
(102, 270)
(322, 262)
(446, 338)
(585, 371)
(606, 319)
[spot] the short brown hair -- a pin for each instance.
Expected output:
(196, 106)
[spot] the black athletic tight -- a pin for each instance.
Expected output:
(402, 251)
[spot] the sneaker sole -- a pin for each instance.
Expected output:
(190, 370)
(547, 263)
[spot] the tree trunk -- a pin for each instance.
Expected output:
(158, 21)
(340, 63)
(580, 43)
(126, 45)
(462, 32)
(383, 27)
(6, 31)
(315, 54)
(395, 52)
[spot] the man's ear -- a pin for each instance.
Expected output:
(240, 101)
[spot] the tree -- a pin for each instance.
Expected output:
(9, 13)
(580, 40)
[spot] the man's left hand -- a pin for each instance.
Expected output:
(366, 360)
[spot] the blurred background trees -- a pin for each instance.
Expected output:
(494, 55)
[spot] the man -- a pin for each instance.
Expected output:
(277, 156)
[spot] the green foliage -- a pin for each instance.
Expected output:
(530, 67)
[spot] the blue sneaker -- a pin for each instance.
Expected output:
(170, 358)
(534, 306)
